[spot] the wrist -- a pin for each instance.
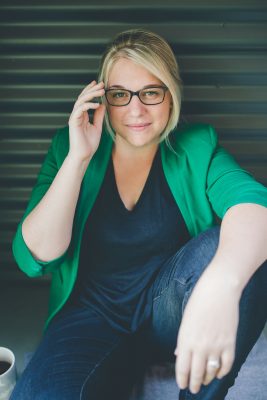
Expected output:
(77, 164)
(224, 278)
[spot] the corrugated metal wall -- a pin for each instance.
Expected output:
(49, 50)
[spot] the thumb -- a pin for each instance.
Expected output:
(99, 116)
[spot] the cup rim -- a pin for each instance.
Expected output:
(12, 357)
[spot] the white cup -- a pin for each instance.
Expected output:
(7, 373)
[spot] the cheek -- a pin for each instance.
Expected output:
(114, 114)
(164, 114)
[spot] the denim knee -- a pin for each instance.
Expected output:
(195, 256)
(173, 287)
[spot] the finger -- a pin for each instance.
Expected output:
(209, 376)
(92, 85)
(198, 367)
(99, 116)
(77, 113)
(88, 96)
(88, 86)
(227, 359)
(211, 371)
(182, 369)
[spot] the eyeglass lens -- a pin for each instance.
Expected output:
(147, 96)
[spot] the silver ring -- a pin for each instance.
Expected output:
(213, 364)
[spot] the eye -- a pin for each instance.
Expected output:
(151, 93)
(119, 94)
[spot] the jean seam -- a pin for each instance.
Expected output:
(167, 287)
(96, 366)
(161, 293)
(186, 297)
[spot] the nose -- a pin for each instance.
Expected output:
(135, 106)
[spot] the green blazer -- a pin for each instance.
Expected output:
(204, 179)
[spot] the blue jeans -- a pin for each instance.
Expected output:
(82, 357)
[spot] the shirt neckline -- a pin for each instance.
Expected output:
(144, 190)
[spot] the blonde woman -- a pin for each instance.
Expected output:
(124, 217)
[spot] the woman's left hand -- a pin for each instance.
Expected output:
(208, 331)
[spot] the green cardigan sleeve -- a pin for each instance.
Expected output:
(23, 257)
(228, 184)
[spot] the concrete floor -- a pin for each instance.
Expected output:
(23, 310)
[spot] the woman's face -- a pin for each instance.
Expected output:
(151, 119)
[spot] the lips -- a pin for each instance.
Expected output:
(142, 125)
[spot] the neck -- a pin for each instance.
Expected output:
(124, 151)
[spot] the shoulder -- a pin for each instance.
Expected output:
(190, 136)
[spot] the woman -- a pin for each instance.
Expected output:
(124, 217)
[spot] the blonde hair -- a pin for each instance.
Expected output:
(152, 52)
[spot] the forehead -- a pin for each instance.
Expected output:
(128, 74)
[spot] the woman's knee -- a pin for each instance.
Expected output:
(196, 255)
(206, 243)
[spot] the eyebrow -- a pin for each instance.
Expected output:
(152, 85)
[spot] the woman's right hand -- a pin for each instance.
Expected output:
(85, 136)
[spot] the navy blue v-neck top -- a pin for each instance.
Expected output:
(122, 251)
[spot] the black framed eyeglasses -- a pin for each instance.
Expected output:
(148, 96)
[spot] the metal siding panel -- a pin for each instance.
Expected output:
(49, 51)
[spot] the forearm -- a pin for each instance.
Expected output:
(47, 230)
(207, 331)
(242, 245)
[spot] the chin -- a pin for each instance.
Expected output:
(141, 143)
(139, 139)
